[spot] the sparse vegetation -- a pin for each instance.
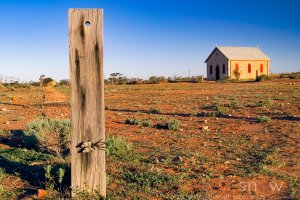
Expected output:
(132, 121)
(54, 134)
(147, 179)
(220, 108)
(264, 119)
(262, 103)
(262, 77)
(174, 124)
(155, 110)
(118, 148)
(237, 74)
(177, 155)
(160, 117)
(147, 123)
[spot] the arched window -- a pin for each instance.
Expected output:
(210, 69)
(237, 67)
(261, 68)
(223, 68)
(249, 68)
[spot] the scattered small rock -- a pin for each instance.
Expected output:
(226, 162)
(14, 98)
(4, 109)
(6, 122)
(205, 121)
(204, 128)
(162, 159)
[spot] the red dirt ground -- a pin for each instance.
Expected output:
(220, 153)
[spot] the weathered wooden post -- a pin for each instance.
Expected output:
(87, 100)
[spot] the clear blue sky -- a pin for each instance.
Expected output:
(147, 37)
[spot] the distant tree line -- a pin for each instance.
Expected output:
(118, 78)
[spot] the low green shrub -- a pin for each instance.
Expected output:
(147, 123)
(262, 78)
(220, 108)
(57, 176)
(132, 121)
(193, 113)
(262, 103)
(155, 110)
(235, 104)
(147, 179)
(160, 117)
(264, 119)
(118, 148)
(51, 133)
(24, 156)
(174, 124)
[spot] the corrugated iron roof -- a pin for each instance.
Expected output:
(241, 53)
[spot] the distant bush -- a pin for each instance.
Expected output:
(156, 79)
(155, 110)
(132, 121)
(174, 124)
(262, 77)
(235, 104)
(147, 123)
(264, 119)
(294, 75)
(49, 82)
(193, 113)
(64, 82)
(135, 81)
(220, 108)
(123, 80)
(178, 79)
(34, 83)
(16, 84)
(160, 117)
(262, 103)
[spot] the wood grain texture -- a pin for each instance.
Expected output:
(87, 98)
